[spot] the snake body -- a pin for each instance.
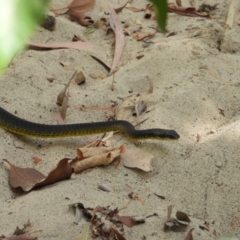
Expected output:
(23, 127)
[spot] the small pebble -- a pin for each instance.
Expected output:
(105, 188)
(218, 163)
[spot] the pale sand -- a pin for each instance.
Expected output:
(196, 92)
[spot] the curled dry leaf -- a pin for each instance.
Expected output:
(90, 152)
(99, 160)
(29, 178)
(136, 158)
(177, 224)
(182, 218)
(78, 214)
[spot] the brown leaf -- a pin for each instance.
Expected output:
(22, 237)
(29, 178)
(63, 111)
(61, 172)
(80, 17)
(189, 235)
(81, 6)
(140, 35)
(86, 46)
(63, 94)
(101, 159)
(93, 151)
(136, 158)
(186, 11)
(128, 221)
(25, 178)
(119, 37)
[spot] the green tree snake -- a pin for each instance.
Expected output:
(23, 127)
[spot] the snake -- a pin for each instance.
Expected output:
(23, 127)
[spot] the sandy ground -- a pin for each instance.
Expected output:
(196, 92)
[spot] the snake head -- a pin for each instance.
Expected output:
(166, 134)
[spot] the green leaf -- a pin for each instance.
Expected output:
(161, 10)
(18, 19)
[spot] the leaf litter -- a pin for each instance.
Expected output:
(21, 233)
(106, 222)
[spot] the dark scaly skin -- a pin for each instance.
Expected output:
(23, 127)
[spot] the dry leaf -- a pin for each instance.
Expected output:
(81, 6)
(63, 111)
(186, 11)
(182, 218)
(62, 94)
(136, 158)
(77, 8)
(189, 235)
(101, 159)
(81, 18)
(177, 224)
(128, 220)
(29, 178)
(90, 152)
(61, 172)
(25, 178)
(139, 36)
(119, 38)
(84, 235)
(21, 237)
(86, 46)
